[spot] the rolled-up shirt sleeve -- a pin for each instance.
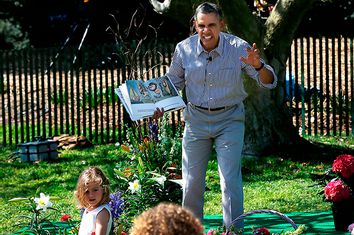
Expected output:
(250, 70)
(176, 71)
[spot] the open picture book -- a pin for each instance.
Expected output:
(141, 98)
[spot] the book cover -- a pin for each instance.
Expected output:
(142, 98)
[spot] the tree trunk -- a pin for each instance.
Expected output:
(268, 120)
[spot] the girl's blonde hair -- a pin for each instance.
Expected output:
(91, 175)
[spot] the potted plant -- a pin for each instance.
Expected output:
(339, 191)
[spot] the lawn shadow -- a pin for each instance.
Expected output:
(307, 150)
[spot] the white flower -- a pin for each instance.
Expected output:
(134, 186)
(161, 180)
(43, 202)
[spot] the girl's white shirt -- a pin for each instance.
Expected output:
(88, 220)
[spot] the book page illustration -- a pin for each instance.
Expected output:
(138, 93)
(142, 98)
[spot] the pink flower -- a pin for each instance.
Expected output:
(351, 228)
(65, 217)
(336, 191)
(344, 165)
(211, 232)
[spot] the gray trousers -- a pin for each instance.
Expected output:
(225, 130)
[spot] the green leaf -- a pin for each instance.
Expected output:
(120, 175)
(19, 199)
(154, 173)
(54, 198)
(141, 166)
(179, 182)
(120, 229)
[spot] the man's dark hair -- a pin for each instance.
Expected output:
(208, 7)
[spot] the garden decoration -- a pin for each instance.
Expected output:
(259, 231)
(339, 191)
(38, 150)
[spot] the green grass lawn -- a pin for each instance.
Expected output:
(271, 182)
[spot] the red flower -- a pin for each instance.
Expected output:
(344, 165)
(261, 231)
(123, 233)
(65, 217)
(336, 191)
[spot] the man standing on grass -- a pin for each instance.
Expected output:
(209, 66)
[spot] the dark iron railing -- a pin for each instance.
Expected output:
(45, 97)
(320, 85)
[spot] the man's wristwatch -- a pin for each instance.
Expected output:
(260, 67)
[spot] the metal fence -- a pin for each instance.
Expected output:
(319, 85)
(46, 92)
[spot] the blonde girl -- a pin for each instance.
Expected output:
(92, 193)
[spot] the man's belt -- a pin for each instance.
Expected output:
(210, 109)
